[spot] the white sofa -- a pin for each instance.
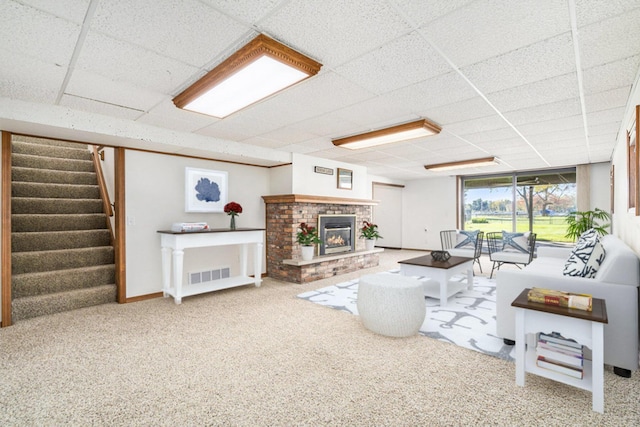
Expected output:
(616, 281)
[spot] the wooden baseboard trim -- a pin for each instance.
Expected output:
(144, 297)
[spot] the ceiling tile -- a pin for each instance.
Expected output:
(400, 63)
(46, 37)
(540, 61)
(590, 11)
(166, 110)
(452, 115)
(607, 100)
(312, 97)
(93, 86)
(434, 92)
(97, 107)
(488, 28)
(536, 93)
(542, 113)
(71, 10)
(178, 29)
(247, 11)
(610, 76)
(121, 61)
(610, 40)
(26, 71)
(420, 13)
(340, 31)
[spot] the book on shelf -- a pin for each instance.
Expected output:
(180, 227)
(560, 348)
(556, 338)
(560, 298)
(575, 360)
(574, 372)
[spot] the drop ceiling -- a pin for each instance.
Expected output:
(536, 84)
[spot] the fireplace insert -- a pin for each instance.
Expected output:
(337, 233)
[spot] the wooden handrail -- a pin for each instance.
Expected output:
(104, 194)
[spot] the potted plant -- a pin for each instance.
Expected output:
(369, 232)
(579, 222)
(307, 237)
(232, 209)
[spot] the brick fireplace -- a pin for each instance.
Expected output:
(284, 214)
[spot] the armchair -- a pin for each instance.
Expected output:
(463, 243)
(510, 248)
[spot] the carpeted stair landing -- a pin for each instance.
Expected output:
(62, 258)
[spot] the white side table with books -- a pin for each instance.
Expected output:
(577, 327)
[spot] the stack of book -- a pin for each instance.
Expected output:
(181, 227)
(560, 354)
(560, 298)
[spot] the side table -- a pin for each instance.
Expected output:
(585, 327)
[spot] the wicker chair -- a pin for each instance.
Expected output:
(449, 241)
(500, 253)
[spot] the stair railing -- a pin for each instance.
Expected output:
(98, 154)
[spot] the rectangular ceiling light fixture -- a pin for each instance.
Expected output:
(403, 132)
(259, 69)
(486, 161)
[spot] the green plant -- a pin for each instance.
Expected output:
(479, 220)
(369, 231)
(307, 235)
(579, 222)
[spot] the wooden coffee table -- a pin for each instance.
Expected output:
(441, 272)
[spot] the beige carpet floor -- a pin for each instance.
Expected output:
(262, 357)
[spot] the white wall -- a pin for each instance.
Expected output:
(306, 181)
(626, 224)
(280, 178)
(600, 194)
(155, 198)
(428, 204)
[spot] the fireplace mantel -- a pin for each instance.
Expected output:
(303, 198)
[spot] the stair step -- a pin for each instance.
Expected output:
(20, 174)
(55, 222)
(46, 150)
(54, 191)
(62, 259)
(47, 282)
(42, 305)
(39, 162)
(38, 205)
(55, 240)
(47, 141)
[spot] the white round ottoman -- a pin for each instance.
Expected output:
(391, 305)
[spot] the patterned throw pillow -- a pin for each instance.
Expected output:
(587, 256)
(515, 242)
(467, 238)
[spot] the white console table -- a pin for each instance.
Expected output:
(173, 245)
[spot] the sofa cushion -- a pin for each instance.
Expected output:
(466, 238)
(587, 256)
(515, 242)
(621, 265)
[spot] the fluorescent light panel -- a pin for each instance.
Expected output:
(403, 132)
(486, 161)
(256, 71)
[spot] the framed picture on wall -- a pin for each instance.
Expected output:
(205, 190)
(345, 179)
(633, 165)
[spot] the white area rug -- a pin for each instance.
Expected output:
(468, 320)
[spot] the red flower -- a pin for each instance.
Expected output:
(232, 208)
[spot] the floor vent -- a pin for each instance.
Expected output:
(209, 275)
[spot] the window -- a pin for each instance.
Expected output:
(537, 201)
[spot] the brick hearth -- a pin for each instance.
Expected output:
(286, 212)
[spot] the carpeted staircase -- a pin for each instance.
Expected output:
(62, 258)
